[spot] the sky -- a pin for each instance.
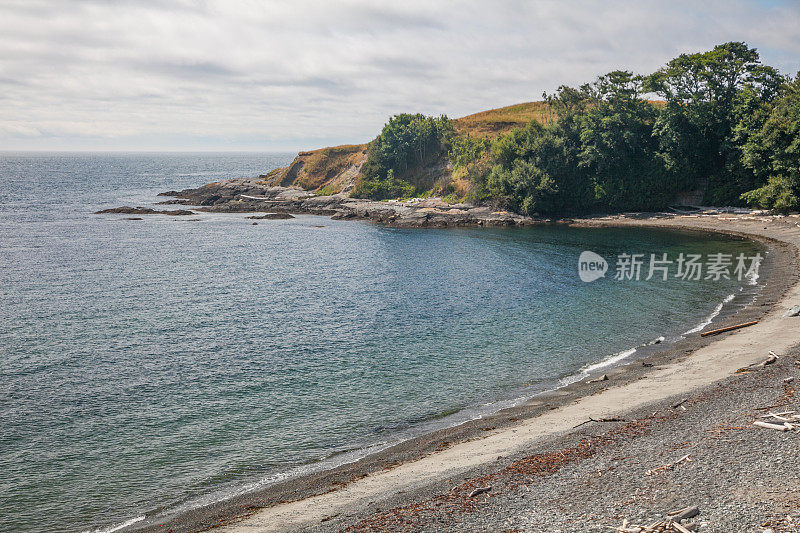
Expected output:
(275, 75)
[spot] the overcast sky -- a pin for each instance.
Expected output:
(288, 75)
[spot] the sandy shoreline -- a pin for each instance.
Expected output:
(424, 467)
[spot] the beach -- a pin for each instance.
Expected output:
(306, 352)
(353, 267)
(425, 483)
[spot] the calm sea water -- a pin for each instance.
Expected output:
(148, 366)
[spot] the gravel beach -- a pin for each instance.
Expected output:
(742, 477)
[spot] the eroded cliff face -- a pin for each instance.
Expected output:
(328, 171)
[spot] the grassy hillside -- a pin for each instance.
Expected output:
(336, 169)
(502, 120)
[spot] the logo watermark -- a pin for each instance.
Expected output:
(591, 266)
(688, 267)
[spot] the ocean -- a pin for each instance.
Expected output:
(149, 366)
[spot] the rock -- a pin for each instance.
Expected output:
(173, 202)
(271, 216)
(125, 210)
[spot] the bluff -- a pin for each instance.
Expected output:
(337, 169)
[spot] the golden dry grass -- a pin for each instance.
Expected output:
(495, 122)
(501, 120)
(320, 166)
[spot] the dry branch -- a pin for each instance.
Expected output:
(614, 419)
(675, 406)
(668, 466)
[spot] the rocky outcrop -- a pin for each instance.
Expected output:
(320, 181)
(271, 216)
(125, 210)
(248, 195)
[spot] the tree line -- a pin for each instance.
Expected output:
(717, 123)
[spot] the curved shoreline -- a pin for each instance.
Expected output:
(417, 464)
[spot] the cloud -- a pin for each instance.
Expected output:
(272, 74)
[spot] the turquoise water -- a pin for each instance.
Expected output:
(153, 365)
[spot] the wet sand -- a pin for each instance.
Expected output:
(445, 465)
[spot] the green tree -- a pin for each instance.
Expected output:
(696, 128)
(536, 170)
(773, 153)
(406, 144)
(618, 146)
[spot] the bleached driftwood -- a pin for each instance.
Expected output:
(768, 425)
(769, 360)
(686, 512)
(773, 357)
(782, 413)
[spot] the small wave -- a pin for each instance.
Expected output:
(611, 360)
(117, 527)
(588, 370)
(710, 317)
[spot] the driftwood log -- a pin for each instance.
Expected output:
(686, 512)
(728, 328)
(479, 490)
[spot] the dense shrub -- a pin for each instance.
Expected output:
(406, 144)
(384, 189)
